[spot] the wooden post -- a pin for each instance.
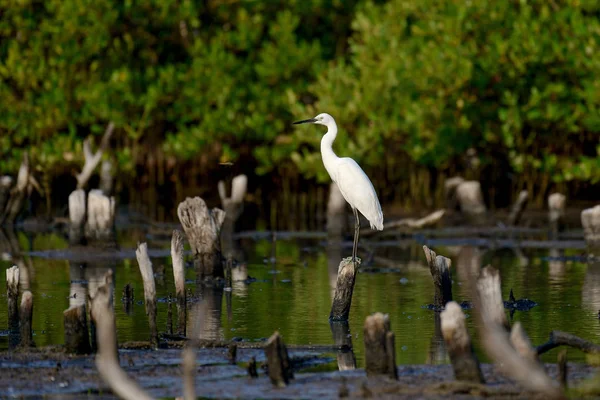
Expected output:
(179, 276)
(490, 297)
(470, 199)
(107, 360)
(100, 216)
(280, 369)
(202, 229)
(76, 216)
(517, 209)
(556, 211)
(12, 295)
(521, 342)
(590, 220)
(380, 353)
(439, 266)
(149, 290)
(342, 299)
(458, 343)
(77, 340)
(26, 317)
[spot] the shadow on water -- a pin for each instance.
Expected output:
(285, 283)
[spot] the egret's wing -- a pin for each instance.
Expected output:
(358, 190)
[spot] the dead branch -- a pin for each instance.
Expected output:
(93, 159)
(558, 338)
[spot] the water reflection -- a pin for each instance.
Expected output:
(590, 292)
(342, 338)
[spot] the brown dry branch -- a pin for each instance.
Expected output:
(558, 338)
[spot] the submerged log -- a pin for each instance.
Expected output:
(107, 360)
(202, 228)
(100, 216)
(342, 299)
(439, 266)
(458, 343)
(12, 295)
(380, 353)
(590, 220)
(93, 159)
(149, 290)
(558, 338)
(77, 214)
(280, 368)
(77, 340)
(179, 277)
(556, 211)
(517, 209)
(26, 317)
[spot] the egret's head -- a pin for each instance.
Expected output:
(321, 119)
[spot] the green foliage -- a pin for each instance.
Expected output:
(414, 82)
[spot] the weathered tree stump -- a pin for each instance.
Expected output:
(202, 228)
(336, 213)
(107, 360)
(12, 295)
(93, 159)
(179, 277)
(342, 299)
(517, 209)
(149, 290)
(106, 177)
(100, 216)
(77, 214)
(590, 220)
(439, 266)
(234, 204)
(380, 353)
(77, 340)
(490, 297)
(521, 342)
(280, 368)
(556, 211)
(458, 343)
(26, 317)
(470, 199)
(450, 191)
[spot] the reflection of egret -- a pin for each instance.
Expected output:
(354, 184)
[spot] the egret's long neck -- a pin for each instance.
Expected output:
(329, 157)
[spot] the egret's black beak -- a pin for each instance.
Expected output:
(305, 121)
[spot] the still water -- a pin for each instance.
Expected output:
(294, 284)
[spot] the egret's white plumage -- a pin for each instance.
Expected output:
(352, 181)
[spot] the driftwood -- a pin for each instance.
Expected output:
(495, 338)
(280, 368)
(77, 214)
(590, 220)
(91, 160)
(107, 360)
(17, 194)
(179, 276)
(202, 228)
(145, 265)
(458, 343)
(100, 216)
(558, 338)
(517, 209)
(416, 223)
(380, 353)
(26, 316)
(556, 211)
(439, 266)
(342, 299)
(77, 339)
(12, 295)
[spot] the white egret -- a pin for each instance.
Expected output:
(352, 181)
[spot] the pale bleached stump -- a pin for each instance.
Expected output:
(203, 228)
(26, 317)
(489, 294)
(336, 213)
(12, 295)
(518, 207)
(458, 343)
(280, 368)
(149, 290)
(590, 220)
(77, 340)
(77, 214)
(380, 348)
(100, 216)
(439, 266)
(106, 177)
(470, 199)
(107, 360)
(521, 342)
(556, 211)
(450, 186)
(342, 298)
(91, 160)
(233, 206)
(179, 277)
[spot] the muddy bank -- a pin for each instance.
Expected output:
(50, 373)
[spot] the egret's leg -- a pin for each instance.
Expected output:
(356, 234)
